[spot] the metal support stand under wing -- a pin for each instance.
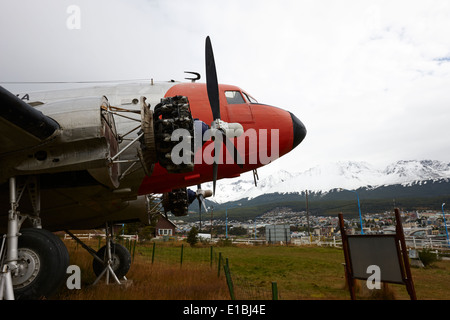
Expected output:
(108, 259)
(112, 260)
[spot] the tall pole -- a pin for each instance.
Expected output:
(359, 208)
(226, 223)
(445, 223)
(212, 211)
(307, 213)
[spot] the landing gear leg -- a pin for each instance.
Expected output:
(6, 287)
(36, 259)
(108, 259)
(111, 260)
(12, 240)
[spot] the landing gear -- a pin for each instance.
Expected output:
(120, 261)
(112, 260)
(36, 260)
(41, 266)
(116, 259)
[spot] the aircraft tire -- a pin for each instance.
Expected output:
(43, 262)
(121, 260)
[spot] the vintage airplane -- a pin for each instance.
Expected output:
(81, 158)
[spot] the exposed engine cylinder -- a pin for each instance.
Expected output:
(176, 201)
(171, 114)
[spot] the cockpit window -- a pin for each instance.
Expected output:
(250, 98)
(234, 97)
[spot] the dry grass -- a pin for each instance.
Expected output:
(302, 273)
(158, 281)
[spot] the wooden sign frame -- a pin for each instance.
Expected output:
(389, 252)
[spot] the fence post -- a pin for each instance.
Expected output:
(274, 291)
(134, 248)
(153, 252)
(211, 258)
(229, 280)
(220, 264)
(181, 258)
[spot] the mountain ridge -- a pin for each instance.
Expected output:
(350, 175)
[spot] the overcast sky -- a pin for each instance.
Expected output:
(369, 79)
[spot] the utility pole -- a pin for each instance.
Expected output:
(212, 211)
(445, 223)
(307, 213)
(226, 223)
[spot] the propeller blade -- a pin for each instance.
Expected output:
(212, 84)
(201, 195)
(218, 140)
(232, 150)
(199, 187)
(212, 87)
(215, 169)
(202, 201)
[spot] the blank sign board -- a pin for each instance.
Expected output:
(277, 233)
(378, 250)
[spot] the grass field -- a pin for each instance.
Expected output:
(301, 273)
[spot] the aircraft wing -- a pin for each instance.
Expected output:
(21, 125)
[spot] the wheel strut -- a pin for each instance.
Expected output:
(12, 240)
(107, 261)
(35, 262)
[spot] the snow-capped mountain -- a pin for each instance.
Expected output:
(346, 175)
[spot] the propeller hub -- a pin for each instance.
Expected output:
(231, 130)
(204, 193)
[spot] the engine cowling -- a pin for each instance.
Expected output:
(86, 140)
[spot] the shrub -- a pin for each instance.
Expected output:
(224, 243)
(428, 257)
(192, 237)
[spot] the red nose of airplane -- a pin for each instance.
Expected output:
(299, 130)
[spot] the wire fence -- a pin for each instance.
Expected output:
(174, 253)
(240, 286)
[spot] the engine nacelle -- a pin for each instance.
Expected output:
(87, 140)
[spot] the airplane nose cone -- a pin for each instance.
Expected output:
(299, 130)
